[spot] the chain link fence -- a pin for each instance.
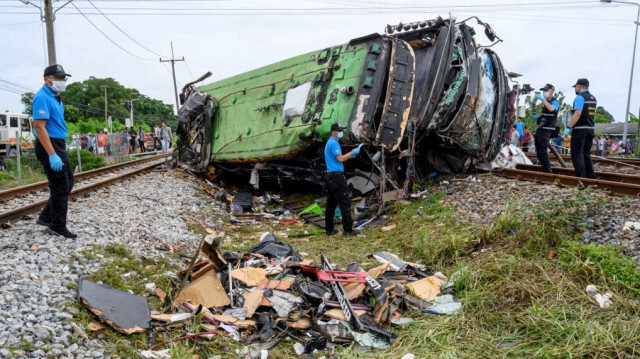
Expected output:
(19, 165)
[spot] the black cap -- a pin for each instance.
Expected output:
(582, 82)
(55, 70)
(336, 127)
(548, 86)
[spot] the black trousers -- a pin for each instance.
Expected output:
(157, 144)
(581, 141)
(542, 143)
(141, 144)
(60, 185)
(337, 194)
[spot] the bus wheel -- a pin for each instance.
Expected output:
(12, 152)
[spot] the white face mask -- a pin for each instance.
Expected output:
(340, 134)
(545, 94)
(58, 86)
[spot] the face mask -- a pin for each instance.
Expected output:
(58, 86)
(545, 94)
(340, 134)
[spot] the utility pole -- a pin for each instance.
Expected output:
(48, 17)
(51, 40)
(105, 87)
(173, 61)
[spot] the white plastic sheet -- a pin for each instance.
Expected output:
(296, 101)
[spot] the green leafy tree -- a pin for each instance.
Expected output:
(603, 116)
(633, 118)
(88, 97)
(27, 99)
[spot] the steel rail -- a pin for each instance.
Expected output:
(40, 186)
(598, 159)
(605, 176)
(20, 212)
(619, 188)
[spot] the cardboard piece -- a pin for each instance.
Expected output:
(96, 326)
(355, 290)
(172, 318)
(161, 294)
(249, 276)
(211, 248)
(126, 313)
(337, 313)
(206, 290)
(302, 323)
(200, 272)
(274, 284)
(426, 289)
(227, 319)
(252, 301)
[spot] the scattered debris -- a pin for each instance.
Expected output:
(126, 313)
(603, 300)
(269, 293)
(444, 304)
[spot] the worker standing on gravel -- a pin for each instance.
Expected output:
(582, 126)
(547, 121)
(336, 183)
(50, 149)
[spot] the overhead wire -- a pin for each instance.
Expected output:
(105, 35)
(122, 31)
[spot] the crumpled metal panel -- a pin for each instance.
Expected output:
(399, 95)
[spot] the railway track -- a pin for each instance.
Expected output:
(12, 199)
(594, 159)
(605, 176)
(613, 182)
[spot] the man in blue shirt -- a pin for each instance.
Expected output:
(582, 129)
(50, 149)
(337, 188)
(547, 123)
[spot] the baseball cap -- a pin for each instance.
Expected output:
(548, 86)
(55, 70)
(336, 127)
(582, 82)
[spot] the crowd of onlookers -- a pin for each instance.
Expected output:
(603, 145)
(127, 141)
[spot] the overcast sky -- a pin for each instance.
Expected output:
(545, 40)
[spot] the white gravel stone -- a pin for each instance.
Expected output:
(35, 268)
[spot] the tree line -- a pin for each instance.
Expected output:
(84, 106)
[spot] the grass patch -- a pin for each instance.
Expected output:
(518, 301)
(31, 172)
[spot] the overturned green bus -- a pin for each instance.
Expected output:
(423, 97)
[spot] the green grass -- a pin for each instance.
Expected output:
(518, 302)
(31, 172)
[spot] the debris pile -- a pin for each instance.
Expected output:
(270, 293)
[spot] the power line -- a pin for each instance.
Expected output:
(105, 35)
(127, 35)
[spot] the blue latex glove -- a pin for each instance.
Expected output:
(535, 116)
(357, 149)
(567, 131)
(56, 162)
(539, 97)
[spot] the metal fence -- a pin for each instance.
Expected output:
(20, 167)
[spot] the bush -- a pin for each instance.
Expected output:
(89, 160)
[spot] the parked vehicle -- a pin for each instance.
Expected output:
(9, 124)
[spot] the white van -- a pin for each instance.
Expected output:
(9, 124)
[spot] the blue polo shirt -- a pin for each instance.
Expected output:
(331, 151)
(48, 106)
(578, 103)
